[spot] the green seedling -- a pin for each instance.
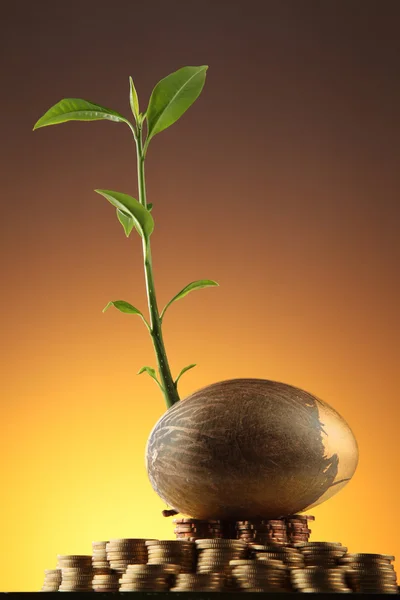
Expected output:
(169, 100)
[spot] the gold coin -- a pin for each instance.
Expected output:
(146, 588)
(148, 568)
(166, 543)
(172, 552)
(241, 575)
(145, 577)
(281, 559)
(106, 588)
(131, 551)
(142, 577)
(145, 584)
(126, 557)
(221, 557)
(73, 569)
(221, 543)
(127, 540)
(186, 584)
(132, 544)
(213, 568)
(262, 567)
(53, 571)
(145, 581)
(46, 588)
(80, 557)
(64, 586)
(199, 577)
(75, 565)
(102, 543)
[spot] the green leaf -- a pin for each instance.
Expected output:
(171, 97)
(152, 374)
(75, 109)
(182, 372)
(149, 207)
(125, 307)
(126, 221)
(201, 283)
(133, 99)
(142, 219)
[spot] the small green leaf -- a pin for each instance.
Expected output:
(152, 374)
(133, 99)
(201, 283)
(149, 370)
(171, 98)
(75, 109)
(182, 372)
(126, 222)
(142, 219)
(125, 307)
(149, 207)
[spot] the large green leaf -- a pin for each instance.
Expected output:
(152, 374)
(75, 109)
(182, 372)
(171, 97)
(142, 219)
(125, 307)
(195, 285)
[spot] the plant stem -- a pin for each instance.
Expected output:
(168, 386)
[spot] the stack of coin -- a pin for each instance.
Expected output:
(99, 555)
(124, 552)
(319, 580)
(196, 529)
(291, 557)
(321, 554)
(149, 578)
(262, 531)
(77, 573)
(200, 582)
(105, 580)
(214, 555)
(367, 573)
(297, 529)
(178, 552)
(52, 580)
(256, 576)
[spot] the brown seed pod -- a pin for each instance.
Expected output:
(226, 451)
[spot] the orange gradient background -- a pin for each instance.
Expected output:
(281, 183)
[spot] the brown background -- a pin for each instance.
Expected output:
(281, 183)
